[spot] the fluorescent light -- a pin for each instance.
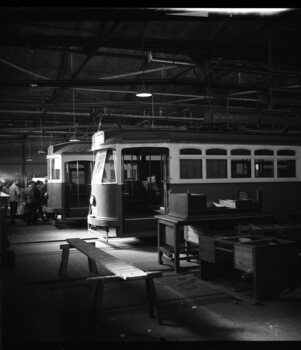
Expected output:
(143, 94)
(73, 138)
(202, 11)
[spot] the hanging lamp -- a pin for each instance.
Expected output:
(28, 158)
(40, 150)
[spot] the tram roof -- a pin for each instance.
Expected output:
(161, 135)
(70, 147)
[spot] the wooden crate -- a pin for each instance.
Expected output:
(187, 204)
(271, 261)
(210, 250)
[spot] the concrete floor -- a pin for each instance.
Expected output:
(43, 310)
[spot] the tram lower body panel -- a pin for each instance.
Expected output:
(280, 199)
(68, 202)
(113, 210)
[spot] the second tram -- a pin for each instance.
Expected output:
(69, 167)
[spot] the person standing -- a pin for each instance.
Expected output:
(44, 199)
(14, 197)
(32, 203)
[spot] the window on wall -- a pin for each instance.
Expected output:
(191, 163)
(216, 168)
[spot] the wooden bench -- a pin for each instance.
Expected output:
(109, 269)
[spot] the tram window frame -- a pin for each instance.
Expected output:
(286, 153)
(98, 166)
(78, 177)
(55, 168)
(264, 168)
(290, 167)
(109, 169)
(286, 159)
(130, 167)
(216, 163)
(190, 163)
(241, 167)
(264, 165)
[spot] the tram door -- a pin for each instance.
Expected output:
(77, 188)
(145, 176)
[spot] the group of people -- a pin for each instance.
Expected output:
(30, 200)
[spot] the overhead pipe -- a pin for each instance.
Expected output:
(141, 72)
(83, 114)
(130, 116)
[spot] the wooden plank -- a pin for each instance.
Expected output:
(118, 267)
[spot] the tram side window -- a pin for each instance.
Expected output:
(130, 167)
(286, 168)
(191, 168)
(240, 168)
(109, 174)
(216, 168)
(264, 167)
(98, 167)
(55, 168)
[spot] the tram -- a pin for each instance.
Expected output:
(136, 170)
(69, 170)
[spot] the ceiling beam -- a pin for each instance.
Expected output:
(87, 14)
(230, 49)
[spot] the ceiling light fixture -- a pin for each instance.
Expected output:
(144, 93)
(28, 158)
(74, 138)
(40, 150)
(203, 12)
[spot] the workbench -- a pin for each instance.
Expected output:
(170, 229)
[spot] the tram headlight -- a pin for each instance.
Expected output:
(93, 200)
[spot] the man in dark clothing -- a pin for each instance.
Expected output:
(44, 198)
(14, 197)
(32, 202)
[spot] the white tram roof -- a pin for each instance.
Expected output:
(143, 135)
(70, 148)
